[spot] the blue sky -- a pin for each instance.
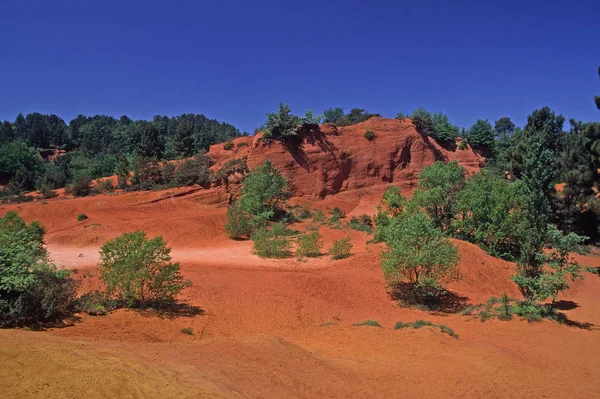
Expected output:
(236, 60)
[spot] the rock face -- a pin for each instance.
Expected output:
(328, 160)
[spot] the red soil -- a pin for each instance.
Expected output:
(284, 328)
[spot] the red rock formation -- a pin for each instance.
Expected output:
(329, 159)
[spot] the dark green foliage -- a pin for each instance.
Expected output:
(318, 216)
(425, 323)
(81, 217)
(370, 135)
(187, 331)
(439, 185)
(489, 212)
(32, 291)
(371, 323)
(445, 132)
(336, 214)
(193, 171)
(423, 122)
(272, 243)
(281, 125)
(20, 163)
(301, 212)
(239, 223)
(419, 255)
(81, 187)
(242, 144)
(333, 115)
(309, 245)
(504, 126)
(138, 271)
(228, 145)
(361, 223)
(341, 248)
(481, 134)
(150, 143)
(264, 193)
(47, 192)
(356, 115)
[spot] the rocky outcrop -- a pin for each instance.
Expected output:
(328, 160)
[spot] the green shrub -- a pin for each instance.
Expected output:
(228, 145)
(419, 258)
(264, 193)
(370, 135)
(81, 187)
(341, 248)
(273, 243)
(193, 171)
(138, 271)
(95, 303)
(336, 214)
(425, 323)
(105, 186)
(81, 217)
(187, 331)
(242, 144)
(32, 290)
(309, 245)
(372, 323)
(301, 212)
(239, 223)
(401, 325)
(318, 215)
(47, 192)
(362, 223)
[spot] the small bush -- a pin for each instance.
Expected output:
(239, 224)
(138, 271)
(362, 223)
(336, 214)
(301, 212)
(370, 135)
(105, 186)
(47, 192)
(425, 323)
(193, 171)
(81, 187)
(273, 243)
(187, 331)
(242, 144)
(372, 323)
(341, 248)
(309, 245)
(81, 217)
(95, 303)
(228, 145)
(318, 215)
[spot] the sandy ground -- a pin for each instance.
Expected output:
(284, 329)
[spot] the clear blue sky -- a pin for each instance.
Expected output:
(236, 60)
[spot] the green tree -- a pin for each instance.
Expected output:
(264, 193)
(122, 170)
(418, 254)
(333, 115)
(504, 126)
(18, 155)
(481, 134)
(445, 132)
(281, 125)
(138, 271)
(423, 121)
(392, 205)
(438, 188)
(32, 291)
(150, 144)
(489, 212)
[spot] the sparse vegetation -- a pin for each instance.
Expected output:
(370, 135)
(310, 245)
(336, 214)
(228, 146)
(361, 223)
(425, 323)
(272, 243)
(81, 217)
(81, 187)
(341, 248)
(187, 331)
(138, 271)
(372, 323)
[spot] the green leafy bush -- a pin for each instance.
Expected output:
(32, 290)
(419, 255)
(193, 171)
(281, 125)
(81, 187)
(187, 331)
(361, 223)
(138, 271)
(242, 144)
(81, 217)
(425, 323)
(228, 145)
(341, 248)
(239, 224)
(272, 243)
(336, 214)
(370, 135)
(309, 245)
(318, 216)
